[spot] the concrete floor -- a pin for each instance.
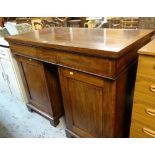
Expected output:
(17, 122)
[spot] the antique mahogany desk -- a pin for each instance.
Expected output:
(93, 69)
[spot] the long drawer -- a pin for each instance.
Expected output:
(145, 89)
(143, 107)
(138, 130)
(144, 113)
(146, 66)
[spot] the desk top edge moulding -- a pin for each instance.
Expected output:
(111, 43)
(93, 70)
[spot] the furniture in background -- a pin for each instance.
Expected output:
(61, 21)
(36, 23)
(10, 79)
(129, 23)
(97, 100)
(96, 22)
(114, 22)
(146, 22)
(23, 28)
(20, 20)
(1, 21)
(46, 22)
(4, 61)
(4, 32)
(143, 113)
(14, 28)
(49, 23)
(75, 21)
(93, 22)
(123, 22)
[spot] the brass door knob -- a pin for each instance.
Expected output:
(71, 73)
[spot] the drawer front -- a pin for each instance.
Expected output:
(139, 130)
(146, 66)
(99, 66)
(144, 113)
(23, 50)
(142, 107)
(35, 53)
(4, 53)
(47, 55)
(145, 89)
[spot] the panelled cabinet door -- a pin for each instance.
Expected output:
(35, 82)
(83, 100)
(11, 79)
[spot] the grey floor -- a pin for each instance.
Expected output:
(17, 122)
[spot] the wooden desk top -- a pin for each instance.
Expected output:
(148, 49)
(111, 43)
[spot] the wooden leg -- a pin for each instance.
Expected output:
(54, 122)
(29, 109)
(68, 134)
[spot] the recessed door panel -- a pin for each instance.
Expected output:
(83, 96)
(35, 81)
(86, 106)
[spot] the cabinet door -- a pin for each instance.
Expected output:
(35, 83)
(11, 79)
(3, 80)
(83, 102)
